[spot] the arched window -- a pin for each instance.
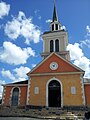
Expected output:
(56, 26)
(53, 27)
(15, 97)
(57, 45)
(54, 83)
(51, 46)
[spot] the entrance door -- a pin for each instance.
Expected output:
(54, 94)
(15, 97)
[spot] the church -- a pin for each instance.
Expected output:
(55, 81)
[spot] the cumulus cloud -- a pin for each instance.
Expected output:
(8, 74)
(77, 55)
(1, 87)
(18, 74)
(86, 41)
(4, 9)
(21, 72)
(63, 27)
(12, 29)
(22, 26)
(48, 21)
(12, 54)
(74, 49)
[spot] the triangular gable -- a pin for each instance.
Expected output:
(63, 65)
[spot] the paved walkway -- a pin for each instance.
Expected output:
(19, 118)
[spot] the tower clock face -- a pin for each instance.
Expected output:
(53, 66)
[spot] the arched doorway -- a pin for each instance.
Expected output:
(54, 94)
(15, 97)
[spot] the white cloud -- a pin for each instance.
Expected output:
(4, 9)
(75, 51)
(37, 14)
(63, 27)
(12, 29)
(33, 65)
(86, 41)
(21, 72)
(18, 74)
(7, 74)
(39, 17)
(77, 55)
(22, 26)
(1, 87)
(48, 21)
(88, 30)
(12, 54)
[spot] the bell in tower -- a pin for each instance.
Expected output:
(55, 40)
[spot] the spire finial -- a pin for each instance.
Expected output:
(55, 18)
(54, 2)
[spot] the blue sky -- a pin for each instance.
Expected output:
(21, 25)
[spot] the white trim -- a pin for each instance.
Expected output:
(10, 99)
(54, 45)
(46, 74)
(83, 91)
(59, 45)
(43, 45)
(58, 27)
(88, 83)
(64, 43)
(28, 92)
(60, 91)
(15, 85)
(3, 95)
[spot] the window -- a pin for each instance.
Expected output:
(36, 90)
(56, 26)
(15, 97)
(73, 90)
(57, 45)
(51, 46)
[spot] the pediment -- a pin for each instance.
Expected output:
(48, 65)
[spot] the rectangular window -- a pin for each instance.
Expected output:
(36, 90)
(73, 90)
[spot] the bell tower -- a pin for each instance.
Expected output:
(55, 40)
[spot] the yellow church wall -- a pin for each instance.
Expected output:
(67, 81)
(69, 98)
(38, 99)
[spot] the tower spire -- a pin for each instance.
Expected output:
(55, 17)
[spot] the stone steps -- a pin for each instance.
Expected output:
(53, 113)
